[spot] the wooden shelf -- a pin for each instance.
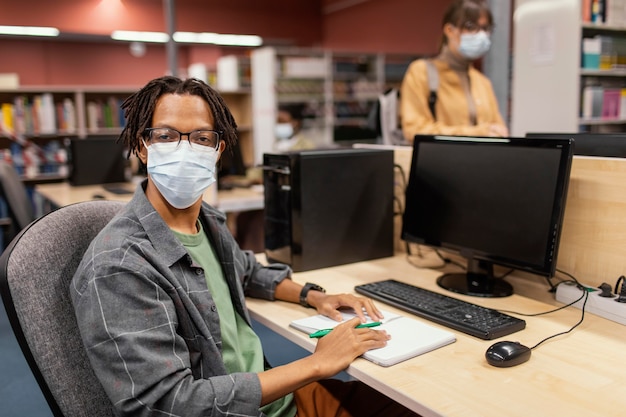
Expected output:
(617, 72)
(599, 122)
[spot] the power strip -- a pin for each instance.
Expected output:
(605, 307)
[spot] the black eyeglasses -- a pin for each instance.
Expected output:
(475, 27)
(204, 138)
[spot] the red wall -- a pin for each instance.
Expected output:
(387, 26)
(296, 20)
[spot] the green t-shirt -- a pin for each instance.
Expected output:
(241, 347)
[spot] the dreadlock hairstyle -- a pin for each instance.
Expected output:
(139, 109)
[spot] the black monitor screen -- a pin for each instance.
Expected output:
(97, 160)
(591, 144)
(230, 164)
(493, 201)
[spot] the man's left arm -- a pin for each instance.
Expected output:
(326, 304)
(273, 282)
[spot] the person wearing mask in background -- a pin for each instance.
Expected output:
(289, 136)
(160, 293)
(464, 102)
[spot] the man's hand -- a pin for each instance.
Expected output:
(329, 304)
(336, 351)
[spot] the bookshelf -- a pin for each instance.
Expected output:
(569, 68)
(338, 90)
(37, 147)
(65, 110)
(36, 120)
(603, 76)
(240, 104)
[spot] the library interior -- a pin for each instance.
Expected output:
(497, 259)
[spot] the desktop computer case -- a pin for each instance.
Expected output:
(328, 207)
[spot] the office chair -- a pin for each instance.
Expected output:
(19, 205)
(35, 274)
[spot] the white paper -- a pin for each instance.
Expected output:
(409, 337)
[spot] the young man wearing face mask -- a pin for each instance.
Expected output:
(288, 130)
(465, 102)
(160, 293)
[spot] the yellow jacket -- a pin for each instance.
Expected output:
(451, 108)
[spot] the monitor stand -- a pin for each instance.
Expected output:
(478, 281)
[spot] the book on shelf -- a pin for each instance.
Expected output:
(599, 102)
(34, 116)
(409, 337)
(614, 12)
(592, 48)
(104, 114)
(47, 117)
(304, 67)
(586, 11)
(592, 102)
(7, 117)
(66, 116)
(611, 98)
(607, 12)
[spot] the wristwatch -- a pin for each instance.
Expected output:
(305, 290)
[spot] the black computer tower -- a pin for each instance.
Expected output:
(328, 207)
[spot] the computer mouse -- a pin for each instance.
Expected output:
(505, 354)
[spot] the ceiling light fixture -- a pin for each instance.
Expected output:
(188, 37)
(136, 36)
(29, 31)
(218, 39)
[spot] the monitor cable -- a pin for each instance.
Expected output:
(585, 295)
(402, 175)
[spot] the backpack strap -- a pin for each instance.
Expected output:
(433, 84)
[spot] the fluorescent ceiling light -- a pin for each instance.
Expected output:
(29, 31)
(135, 36)
(218, 39)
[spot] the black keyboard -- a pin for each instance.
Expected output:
(482, 322)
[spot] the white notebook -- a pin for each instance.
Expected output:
(409, 337)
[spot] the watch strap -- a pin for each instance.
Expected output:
(305, 291)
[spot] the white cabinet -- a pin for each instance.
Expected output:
(551, 91)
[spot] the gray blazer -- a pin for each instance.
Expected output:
(149, 323)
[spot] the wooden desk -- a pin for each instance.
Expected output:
(578, 374)
(235, 200)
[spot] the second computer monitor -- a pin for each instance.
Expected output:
(591, 144)
(97, 160)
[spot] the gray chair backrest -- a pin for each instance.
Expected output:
(35, 274)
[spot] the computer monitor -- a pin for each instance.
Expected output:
(97, 160)
(230, 165)
(493, 201)
(591, 144)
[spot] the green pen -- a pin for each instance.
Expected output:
(324, 332)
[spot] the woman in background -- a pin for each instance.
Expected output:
(463, 103)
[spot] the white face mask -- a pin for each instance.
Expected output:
(283, 130)
(474, 45)
(181, 173)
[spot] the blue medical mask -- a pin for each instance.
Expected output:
(474, 45)
(283, 130)
(181, 173)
